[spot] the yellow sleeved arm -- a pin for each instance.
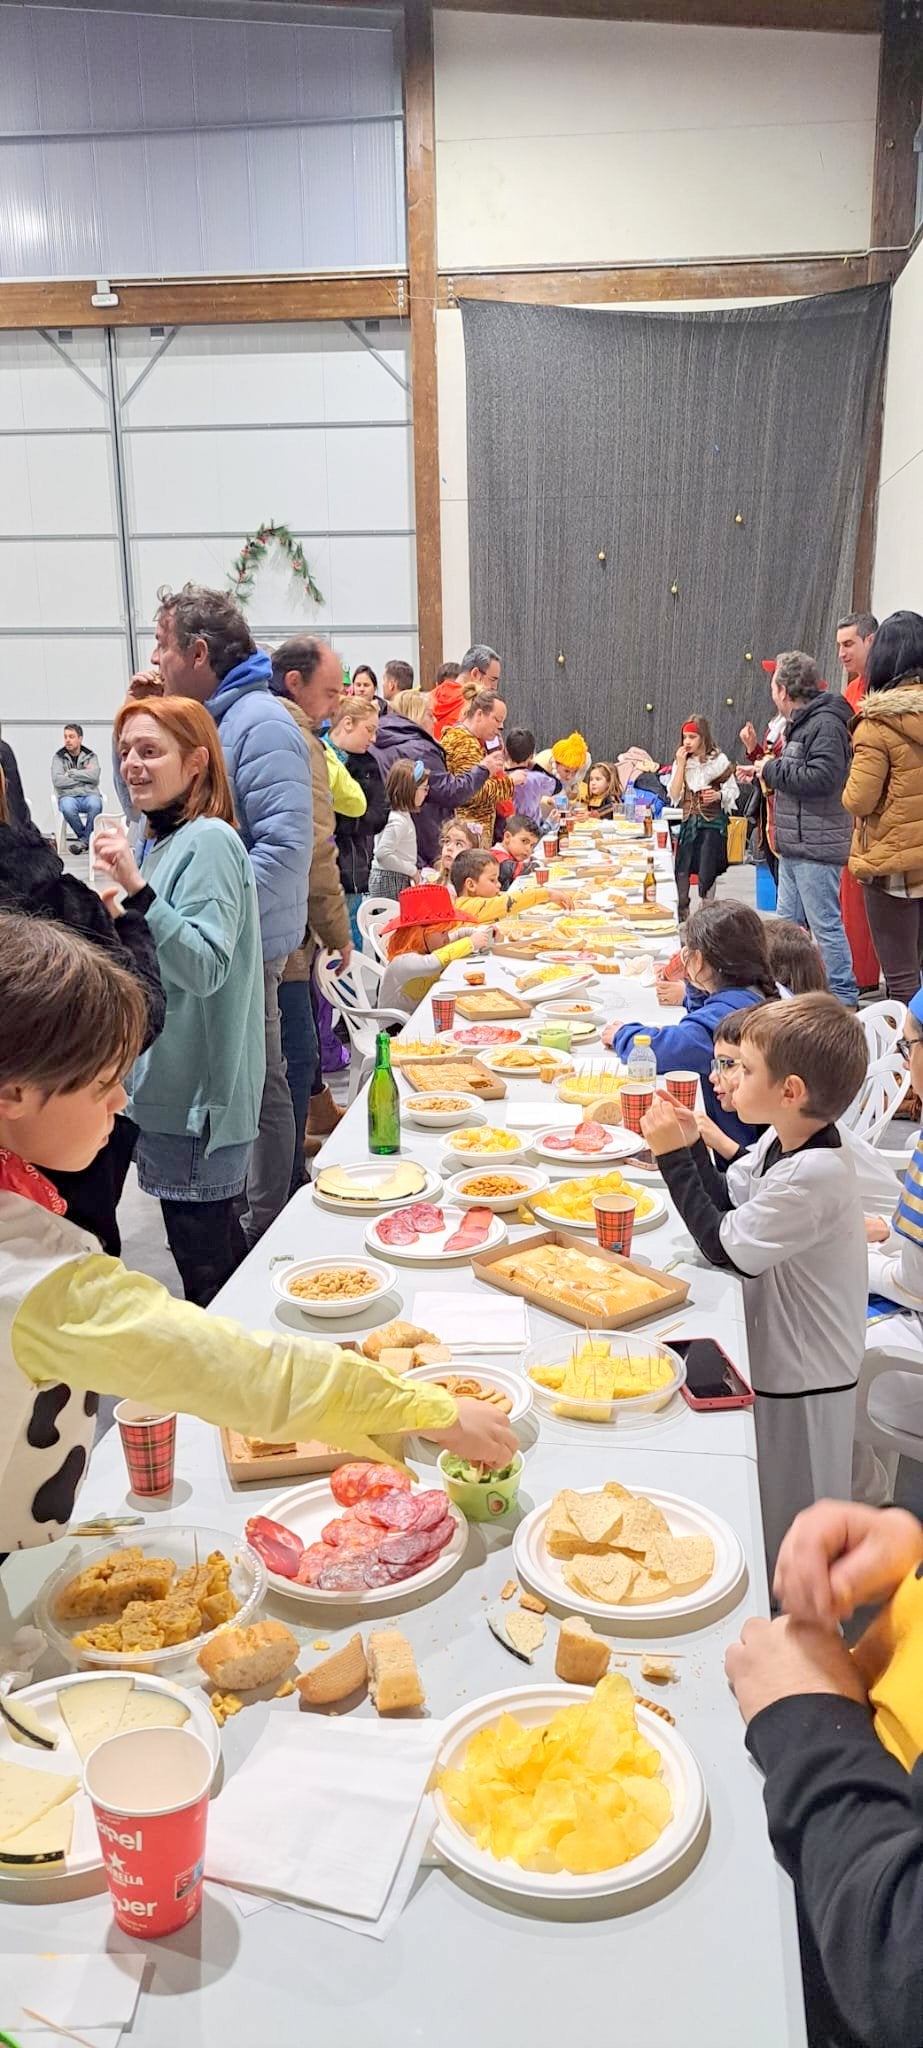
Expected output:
(890, 1658)
(458, 949)
(98, 1327)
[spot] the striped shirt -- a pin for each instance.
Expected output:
(908, 1217)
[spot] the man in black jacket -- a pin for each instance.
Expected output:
(813, 832)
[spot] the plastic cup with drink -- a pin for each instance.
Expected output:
(614, 1216)
(149, 1444)
(443, 1012)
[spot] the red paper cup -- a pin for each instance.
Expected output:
(149, 1792)
(615, 1219)
(683, 1085)
(149, 1444)
(541, 876)
(662, 837)
(443, 1012)
(551, 846)
(636, 1098)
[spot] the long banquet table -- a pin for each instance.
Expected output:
(713, 1959)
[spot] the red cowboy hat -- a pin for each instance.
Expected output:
(429, 903)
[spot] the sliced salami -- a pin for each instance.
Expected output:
(431, 1507)
(404, 1546)
(375, 1573)
(559, 1141)
(426, 1217)
(348, 1483)
(384, 1479)
(590, 1137)
(312, 1563)
(343, 1575)
(397, 1229)
(397, 1510)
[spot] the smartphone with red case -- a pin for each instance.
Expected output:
(712, 1380)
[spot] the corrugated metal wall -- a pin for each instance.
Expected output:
(145, 145)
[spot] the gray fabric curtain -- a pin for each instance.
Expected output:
(642, 436)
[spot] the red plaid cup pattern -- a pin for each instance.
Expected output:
(683, 1085)
(615, 1219)
(636, 1098)
(443, 1012)
(149, 1444)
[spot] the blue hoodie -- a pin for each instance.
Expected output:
(270, 774)
(691, 1043)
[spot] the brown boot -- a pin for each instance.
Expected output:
(323, 1116)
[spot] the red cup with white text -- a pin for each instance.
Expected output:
(149, 1792)
(636, 1098)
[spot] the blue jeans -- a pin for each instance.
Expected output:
(809, 894)
(80, 812)
(299, 1044)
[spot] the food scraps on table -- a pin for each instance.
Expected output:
(658, 1670)
(245, 1658)
(581, 1792)
(521, 1634)
(334, 1283)
(386, 1534)
(138, 1603)
(617, 1548)
(596, 1371)
(572, 1200)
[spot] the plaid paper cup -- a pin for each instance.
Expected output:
(615, 1219)
(636, 1098)
(541, 876)
(443, 1012)
(683, 1085)
(149, 1444)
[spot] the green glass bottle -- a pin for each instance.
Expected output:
(384, 1101)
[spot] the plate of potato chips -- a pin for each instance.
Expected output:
(634, 1558)
(559, 1792)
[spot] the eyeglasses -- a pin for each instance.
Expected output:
(723, 1064)
(905, 1046)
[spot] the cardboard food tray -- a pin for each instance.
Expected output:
(490, 1006)
(675, 1292)
(424, 1077)
(305, 1461)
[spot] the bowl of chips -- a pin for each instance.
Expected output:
(598, 1376)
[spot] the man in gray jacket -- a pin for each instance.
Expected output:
(75, 776)
(813, 832)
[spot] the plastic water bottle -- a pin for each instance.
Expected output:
(628, 804)
(642, 1065)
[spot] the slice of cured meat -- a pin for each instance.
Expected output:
(396, 1510)
(403, 1546)
(474, 1230)
(343, 1575)
(312, 1563)
(279, 1548)
(425, 1217)
(349, 1482)
(431, 1508)
(384, 1479)
(398, 1228)
(375, 1573)
(590, 1137)
(486, 1034)
(559, 1141)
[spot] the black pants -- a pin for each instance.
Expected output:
(896, 925)
(706, 852)
(207, 1243)
(93, 1195)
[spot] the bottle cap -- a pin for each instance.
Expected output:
(642, 1038)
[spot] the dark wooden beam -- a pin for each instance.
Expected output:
(758, 277)
(900, 109)
(850, 17)
(206, 302)
(419, 118)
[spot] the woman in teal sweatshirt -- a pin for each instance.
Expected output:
(195, 1094)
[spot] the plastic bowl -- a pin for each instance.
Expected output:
(482, 1500)
(489, 1161)
(533, 1182)
(282, 1278)
(185, 1547)
(629, 1411)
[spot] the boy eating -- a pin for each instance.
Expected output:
(75, 1324)
(787, 1217)
(479, 894)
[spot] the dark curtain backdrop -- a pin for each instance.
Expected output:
(641, 436)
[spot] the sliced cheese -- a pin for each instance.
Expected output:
(152, 1710)
(46, 1841)
(26, 1795)
(404, 1179)
(93, 1710)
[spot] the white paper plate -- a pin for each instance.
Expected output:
(621, 1145)
(486, 1160)
(512, 1383)
(532, 1179)
(84, 1855)
(560, 1062)
(686, 1518)
(365, 1173)
(460, 1043)
(306, 1509)
(580, 1030)
(657, 1214)
(551, 1008)
(532, 1704)
(429, 1248)
(543, 990)
(282, 1276)
(415, 1111)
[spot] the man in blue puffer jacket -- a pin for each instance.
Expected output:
(203, 648)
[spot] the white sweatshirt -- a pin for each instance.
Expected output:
(396, 845)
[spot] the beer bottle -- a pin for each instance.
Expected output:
(649, 885)
(384, 1101)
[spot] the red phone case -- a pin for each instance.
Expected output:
(744, 1400)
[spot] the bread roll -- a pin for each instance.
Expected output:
(240, 1659)
(336, 1677)
(582, 1657)
(394, 1681)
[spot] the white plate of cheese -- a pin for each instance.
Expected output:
(52, 1814)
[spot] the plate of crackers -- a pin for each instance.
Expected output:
(505, 1391)
(632, 1557)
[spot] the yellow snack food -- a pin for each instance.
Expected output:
(572, 1200)
(475, 1138)
(582, 1792)
(597, 1371)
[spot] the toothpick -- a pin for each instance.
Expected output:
(55, 2028)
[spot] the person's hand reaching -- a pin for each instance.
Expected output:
(481, 1435)
(877, 1231)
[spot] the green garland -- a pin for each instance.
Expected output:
(253, 554)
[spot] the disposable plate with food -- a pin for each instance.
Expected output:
(363, 1186)
(531, 1706)
(533, 991)
(526, 1062)
(332, 1286)
(574, 1210)
(436, 1238)
(497, 1187)
(370, 1563)
(488, 1146)
(173, 1552)
(599, 1141)
(129, 1700)
(462, 1380)
(439, 1112)
(472, 1038)
(545, 1574)
(579, 1028)
(576, 1011)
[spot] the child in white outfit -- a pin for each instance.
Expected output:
(394, 855)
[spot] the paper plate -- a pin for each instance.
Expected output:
(531, 1181)
(543, 1214)
(365, 1173)
(429, 1248)
(84, 1855)
(460, 1041)
(546, 1057)
(532, 1704)
(686, 1518)
(563, 986)
(621, 1145)
(519, 1391)
(306, 1509)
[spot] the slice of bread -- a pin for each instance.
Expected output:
(394, 1681)
(240, 1659)
(582, 1657)
(336, 1677)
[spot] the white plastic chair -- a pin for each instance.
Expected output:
(352, 992)
(62, 828)
(375, 911)
(889, 1400)
(883, 1024)
(878, 1099)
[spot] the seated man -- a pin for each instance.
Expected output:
(75, 776)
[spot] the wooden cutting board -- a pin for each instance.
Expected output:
(301, 1462)
(490, 1006)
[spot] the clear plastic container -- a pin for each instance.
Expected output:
(641, 1062)
(632, 1411)
(185, 1547)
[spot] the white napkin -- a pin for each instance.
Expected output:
(417, 1855)
(322, 1811)
(532, 1116)
(466, 1324)
(85, 1992)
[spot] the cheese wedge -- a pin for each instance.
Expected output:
(46, 1841)
(404, 1179)
(26, 1795)
(93, 1711)
(152, 1710)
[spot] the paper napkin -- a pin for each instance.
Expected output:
(84, 1992)
(465, 1323)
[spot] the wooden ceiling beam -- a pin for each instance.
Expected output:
(420, 157)
(206, 302)
(756, 277)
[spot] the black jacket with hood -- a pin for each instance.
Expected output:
(808, 780)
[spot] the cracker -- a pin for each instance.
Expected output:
(527, 1631)
(532, 1603)
(658, 1670)
(507, 1591)
(647, 1585)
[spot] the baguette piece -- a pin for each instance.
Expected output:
(240, 1659)
(582, 1657)
(336, 1677)
(394, 1681)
